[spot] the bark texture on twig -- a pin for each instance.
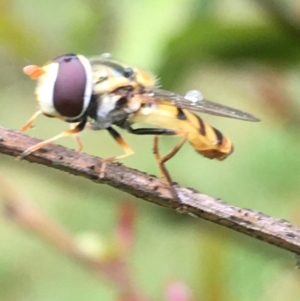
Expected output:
(277, 232)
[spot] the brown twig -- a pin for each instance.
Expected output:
(274, 231)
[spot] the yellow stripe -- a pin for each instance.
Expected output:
(165, 116)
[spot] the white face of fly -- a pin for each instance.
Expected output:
(45, 88)
(65, 86)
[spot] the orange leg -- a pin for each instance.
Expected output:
(77, 138)
(79, 142)
(127, 149)
(169, 155)
(70, 132)
(162, 160)
(29, 123)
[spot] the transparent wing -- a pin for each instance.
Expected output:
(194, 101)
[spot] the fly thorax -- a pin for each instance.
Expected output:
(146, 110)
(106, 103)
(100, 79)
(133, 105)
(108, 78)
(101, 124)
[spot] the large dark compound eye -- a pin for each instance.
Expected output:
(70, 86)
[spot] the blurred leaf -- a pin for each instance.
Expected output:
(203, 8)
(210, 41)
(16, 37)
(211, 264)
(87, 30)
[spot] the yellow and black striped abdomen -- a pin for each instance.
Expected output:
(205, 139)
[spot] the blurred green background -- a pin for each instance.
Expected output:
(245, 54)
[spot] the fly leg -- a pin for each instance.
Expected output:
(151, 131)
(162, 160)
(79, 127)
(29, 123)
(127, 149)
(77, 138)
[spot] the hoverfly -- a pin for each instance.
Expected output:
(100, 93)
